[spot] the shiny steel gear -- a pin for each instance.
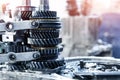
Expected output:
(46, 65)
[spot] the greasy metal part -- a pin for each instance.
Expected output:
(22, 61)
(42, 50)
(95, 68)
(35, 40)
(44, 34)
(17, 26)
(25, 11)
(44, 42)
(29, 25)
(46, 66)
(44, 14)
(15, 57)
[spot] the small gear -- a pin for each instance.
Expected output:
(26, 14)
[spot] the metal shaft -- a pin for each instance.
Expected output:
(26, 2)
(44, 5)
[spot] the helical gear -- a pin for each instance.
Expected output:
(43, 38)
(46, 65)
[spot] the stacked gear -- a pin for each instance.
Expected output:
(43, 38)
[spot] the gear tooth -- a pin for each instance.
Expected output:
(46, 65)
(42, 64)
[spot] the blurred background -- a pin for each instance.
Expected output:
(90, 27)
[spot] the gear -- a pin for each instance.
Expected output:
(45, 53)
(19, 66)
(44, 34)
(49, 65)
(42, 37)
(45, 65)
(44, 14)
(17, 48)
(42, 50)
(25, 11)
(44, 42)
(26, 14)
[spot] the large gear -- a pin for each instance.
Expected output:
(44, 14)
(46, 65)
(50, 65)
(45, 53)
(43, 34)
(44, 42)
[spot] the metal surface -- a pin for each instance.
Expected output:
(77, 68)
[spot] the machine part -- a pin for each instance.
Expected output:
(42, 50)
(28, 25)
(46, 66)
(43, 53)
(19, 66)
(8, 37)
(46, 23)
(44, 14)
(92, 68)
(16, 57)
(17, 26)
(95, 68)
(26, 10)
(9, 27)
(44, 42)
(35, 43)
(44, 34)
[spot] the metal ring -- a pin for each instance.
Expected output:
(9, 27)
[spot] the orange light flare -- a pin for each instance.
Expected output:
(5, 6)
(11, 4)
(101, 6)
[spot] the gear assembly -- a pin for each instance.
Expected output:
(30, 49)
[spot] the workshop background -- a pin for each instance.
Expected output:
(81, 20)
